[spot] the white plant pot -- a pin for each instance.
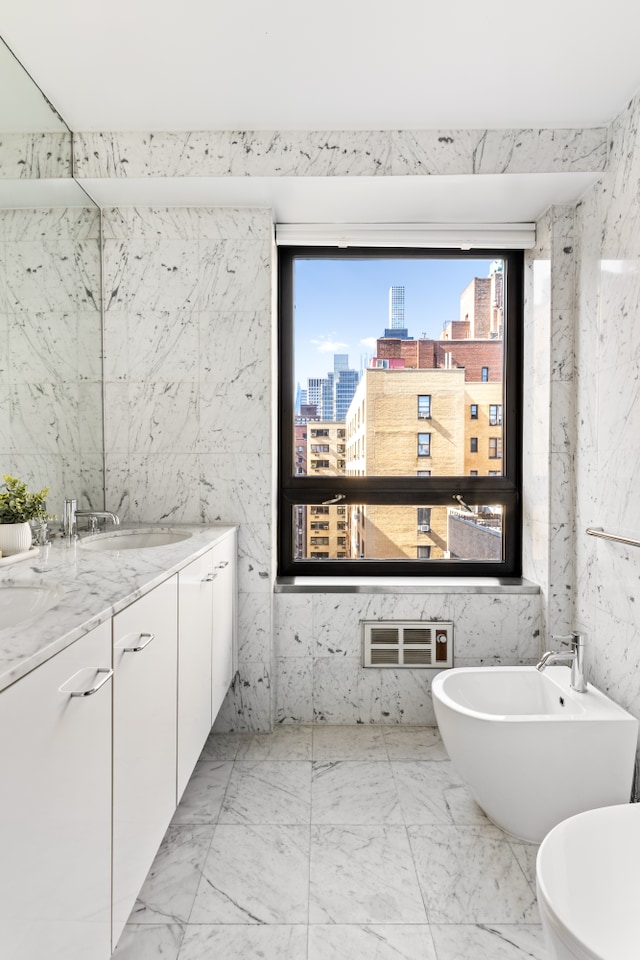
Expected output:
(14, 538)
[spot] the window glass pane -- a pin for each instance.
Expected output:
(424, 407)
(383, 344)
(383, 532)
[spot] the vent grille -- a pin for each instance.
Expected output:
(408, 643)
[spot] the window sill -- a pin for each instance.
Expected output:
(469, 585)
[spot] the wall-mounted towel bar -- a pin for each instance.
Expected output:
(599, 532)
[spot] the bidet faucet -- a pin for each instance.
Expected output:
(575, 657)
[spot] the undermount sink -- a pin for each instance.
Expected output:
(19, 603)
(132, 539)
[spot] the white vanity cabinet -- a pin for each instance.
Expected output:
(224, 657)
(195, 625)
(98, 741)
(145, 657)
(206, 644)
(55, 806)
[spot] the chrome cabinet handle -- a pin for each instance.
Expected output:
(210, 577)
(146, 639)
(108, 673)
(222, 565)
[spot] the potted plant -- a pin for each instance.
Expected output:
(18, 506)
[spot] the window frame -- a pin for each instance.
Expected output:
(495, 419)
(426, 397)
(406, 490)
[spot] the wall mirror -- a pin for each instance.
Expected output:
(51, 403)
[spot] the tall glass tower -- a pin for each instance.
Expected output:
(396, 326)
(396, 308)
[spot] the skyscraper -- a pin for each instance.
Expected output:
(396, 326)
(396, 308)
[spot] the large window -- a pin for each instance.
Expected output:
(367, 340)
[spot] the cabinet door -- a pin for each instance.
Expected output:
(55, 806)
(144, 739)
(195, 624)
(224, 617)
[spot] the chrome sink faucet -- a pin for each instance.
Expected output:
(70, 514)
(575, 657)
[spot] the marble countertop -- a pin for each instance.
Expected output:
(90, 587)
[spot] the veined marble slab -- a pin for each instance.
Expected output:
(92, 587)
(339, 153)
(25, 156)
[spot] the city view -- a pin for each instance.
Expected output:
(425, 405)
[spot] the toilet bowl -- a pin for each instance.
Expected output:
(589, 887)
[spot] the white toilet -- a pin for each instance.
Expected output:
(589, 885)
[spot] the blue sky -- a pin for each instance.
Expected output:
(342, 306)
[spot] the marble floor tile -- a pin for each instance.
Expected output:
(469, 874)
(141, 941)
(354, 792)
(392, 941)
(363, 874)
(168, 892)
(325, 842)
(359, 742)
(432, 792)
(287, 742)
(224, 746)
(269, 791)
(255, 874)
(514, 941)
(526, 854)
(414, 743)
(245, 942)
(202, 799)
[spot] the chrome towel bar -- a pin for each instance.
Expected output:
(599, 532)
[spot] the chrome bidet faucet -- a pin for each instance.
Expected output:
(574, 657)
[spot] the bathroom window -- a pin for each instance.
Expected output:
(370, 340)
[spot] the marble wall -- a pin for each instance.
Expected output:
(548, 436)
(189, 403)
(319, 673)
(188, 388)
(607, 416)
(339, 153)
(35, 156)
(188, 397)
(50, 351)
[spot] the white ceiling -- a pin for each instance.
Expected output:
(339, 64)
